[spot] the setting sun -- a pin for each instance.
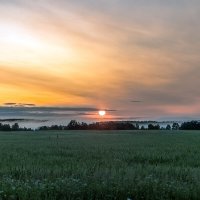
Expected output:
(102, 112)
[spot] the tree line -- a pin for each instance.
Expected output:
(14, 127)
(110, 125)
(115, 125)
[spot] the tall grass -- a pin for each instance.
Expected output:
(100, 165)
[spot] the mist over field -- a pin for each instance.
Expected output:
(34, 117)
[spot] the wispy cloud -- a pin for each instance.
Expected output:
(136, 101)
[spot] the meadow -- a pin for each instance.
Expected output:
(90, 165)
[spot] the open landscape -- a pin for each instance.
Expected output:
(99, 100)
(150, 165)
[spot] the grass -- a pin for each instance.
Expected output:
(150, 165)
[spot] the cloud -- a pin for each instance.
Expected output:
(9, 104)
(120, 118)
(23, 108)
(23, 120)
(20, 104)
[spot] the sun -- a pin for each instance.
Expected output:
(102, 113)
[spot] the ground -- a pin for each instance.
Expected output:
(150, 165)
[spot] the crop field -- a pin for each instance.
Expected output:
(89, 165)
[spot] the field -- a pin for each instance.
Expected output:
(107, 165)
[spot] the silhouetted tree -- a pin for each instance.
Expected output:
(5, 127)
(73, 125)
(193, 125)
(168, 127)
(43, 128)
(15, 127)
(175, 126)
(153, 127)
(84, 126)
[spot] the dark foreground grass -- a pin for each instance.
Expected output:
(100, 165)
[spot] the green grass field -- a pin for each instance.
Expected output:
(100, 165)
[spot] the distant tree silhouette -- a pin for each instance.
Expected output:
(168, 127)
(175, 126)
(73, 125)
(43, 128)
(15, 127)
(84, 126)
(193, 125)
(153, 127)
(5, 127)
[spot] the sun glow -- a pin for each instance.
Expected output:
(102, 113)
(21, 46)
(13, 35)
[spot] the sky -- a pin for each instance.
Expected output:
(137, 59)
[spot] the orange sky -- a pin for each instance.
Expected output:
(104, 54)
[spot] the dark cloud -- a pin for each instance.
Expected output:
(22, 120)
(49, 108)
(9, 104)
(19, 104)
(48, 111)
